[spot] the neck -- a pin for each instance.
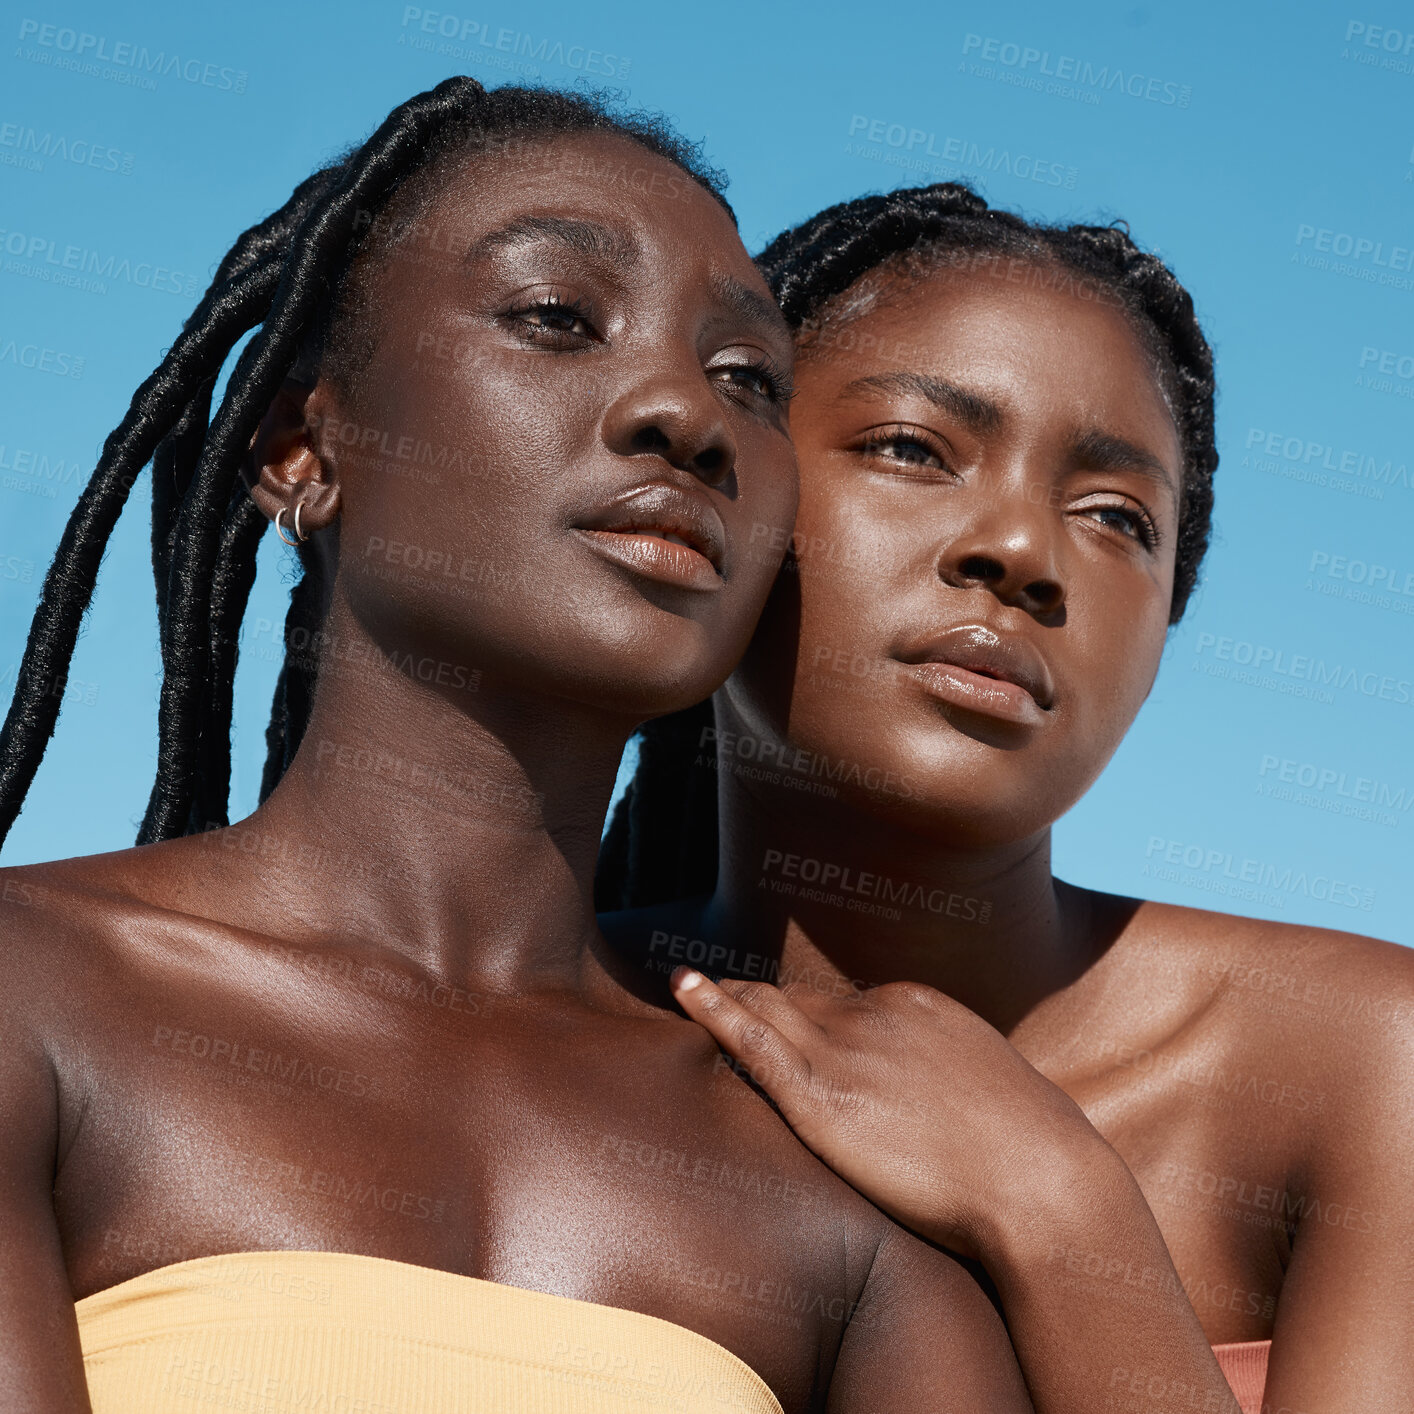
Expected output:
(836, 893)
(457, 824)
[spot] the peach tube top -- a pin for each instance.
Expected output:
(337, 1333)
(1244, 1363)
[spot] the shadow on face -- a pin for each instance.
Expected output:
(982, 564)
(566, 414)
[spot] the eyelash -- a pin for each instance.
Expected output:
(875, 443)
(778, 388)
(572, 309)
(1142, 527)
(1145, 531)
(777, 382)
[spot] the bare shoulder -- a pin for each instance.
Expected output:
(67, 925)
(57, 899)
(1331, 1009)
(43, 908)
(51, 991)
(1311, 977)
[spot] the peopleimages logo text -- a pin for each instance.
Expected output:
(1219, 863)
(124, 54)
(447, 26)
(42, 255)
(1355, 246)
(1310, 452)
(1263, 658)
(919, 142)
(1066, 68)
(1331, 780)
(1392, 41)
(30, 147)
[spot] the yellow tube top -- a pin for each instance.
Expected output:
(337, 1333)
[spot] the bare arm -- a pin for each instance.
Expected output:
(931, 1115)
(1344, 1336)
(1095, 1307)
(41, 1367)
(924, 1337)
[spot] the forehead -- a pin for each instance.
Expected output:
(599, 178)
(1034, 339)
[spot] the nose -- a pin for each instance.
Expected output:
(676, 416)
(1010, 551)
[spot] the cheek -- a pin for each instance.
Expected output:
(761, 518)
(450, 522)
(1112, 663)
(824, 515)
(858, 558)
(852, 574)
(456, 461)
(838, 608)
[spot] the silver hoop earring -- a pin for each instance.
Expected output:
(300, 535)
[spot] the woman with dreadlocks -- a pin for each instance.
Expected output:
(1005, 437)
(348, 1106)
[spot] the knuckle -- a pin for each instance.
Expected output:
(753, 993)
(908, 994)
(804, 997)
(709, 1001)
(835, 1092)
(755, 1036)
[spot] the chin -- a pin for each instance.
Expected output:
(958, 814)
(651, 676)
(969, 821)
(944, 782)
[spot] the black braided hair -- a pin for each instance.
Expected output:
(292, 279)
(662, 839)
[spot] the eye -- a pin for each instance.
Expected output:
(554, 321)
(907, 447)
(760, 376)
(1133, 522)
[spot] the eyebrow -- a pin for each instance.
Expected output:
(1103, 451)
(1096, 450)
(750, 305)
(583, 237)
(977, 414)
(591, 239)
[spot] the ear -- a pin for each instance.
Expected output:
(283, 469)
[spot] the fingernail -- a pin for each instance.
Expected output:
(685, 979)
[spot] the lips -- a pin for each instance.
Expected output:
(976, 668)
(662, 532)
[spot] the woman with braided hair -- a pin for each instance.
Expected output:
(1006, 448)
(347, 1106)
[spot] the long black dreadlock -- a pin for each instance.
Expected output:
(287, 278)
(662, 840)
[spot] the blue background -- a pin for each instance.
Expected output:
(1231, 142)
